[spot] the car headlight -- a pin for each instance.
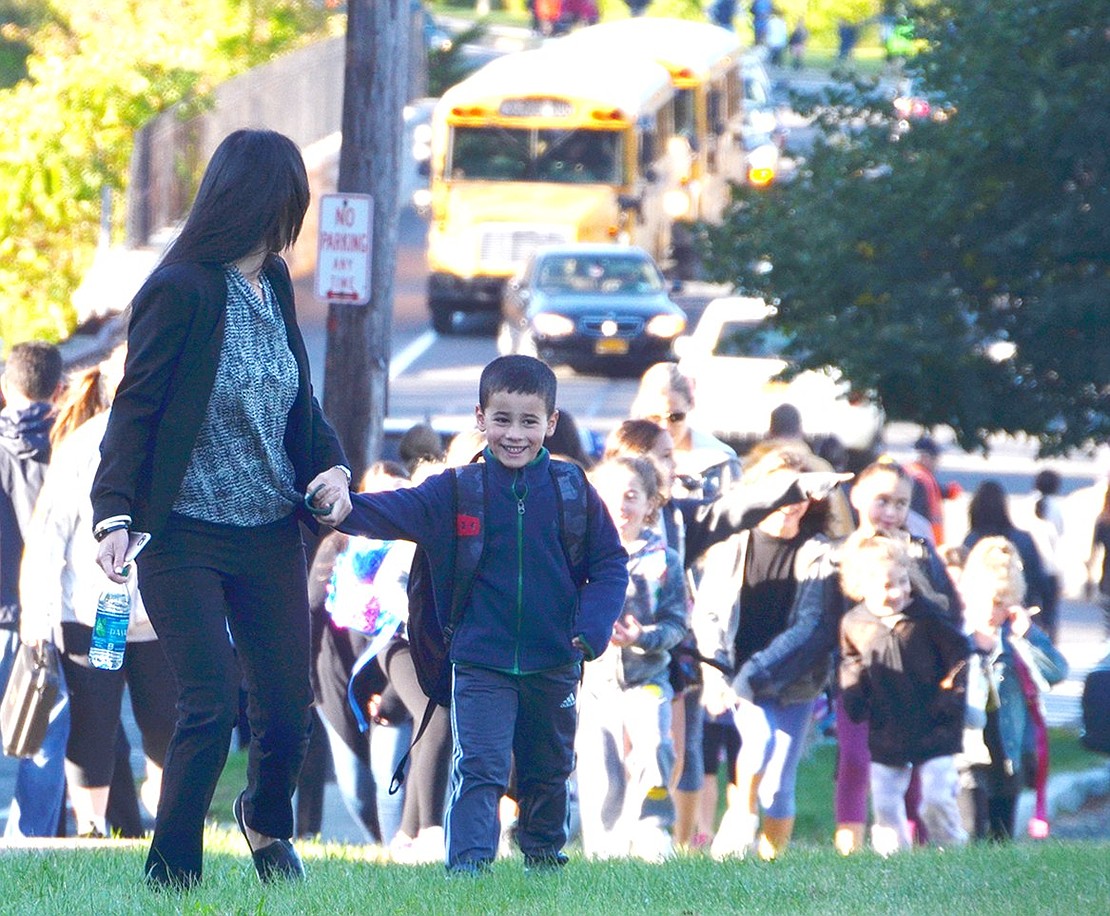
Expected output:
(548, 324)
(666, 326)
(761, 164)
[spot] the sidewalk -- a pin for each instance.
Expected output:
(1082, 640)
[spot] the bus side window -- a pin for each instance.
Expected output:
(647, 134)
(647, 154)
(735, 94)
(713, 111)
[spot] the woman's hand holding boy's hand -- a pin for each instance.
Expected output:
(329, 490)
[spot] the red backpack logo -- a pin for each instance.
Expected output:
(467, 526)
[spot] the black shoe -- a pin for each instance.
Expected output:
(275, 860)
(469, 869)
(160, 877)
(548, 862)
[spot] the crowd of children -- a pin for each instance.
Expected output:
(701, 611)
(777, 595)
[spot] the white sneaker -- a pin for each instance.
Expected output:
(885, 840)
(428, 847)
(736, 835)
(652, 845)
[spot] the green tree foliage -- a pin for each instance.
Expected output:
(96, 73)
(960, 267)
(18, 18)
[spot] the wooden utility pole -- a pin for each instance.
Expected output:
(356, 367)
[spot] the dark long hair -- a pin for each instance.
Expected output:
(988, 513)
(254, 194)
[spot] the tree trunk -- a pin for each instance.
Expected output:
(356, 375)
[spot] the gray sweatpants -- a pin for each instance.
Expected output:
(939, 809)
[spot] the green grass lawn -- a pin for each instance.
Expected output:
(816, 782)
(1043, 878)
(1048, 877)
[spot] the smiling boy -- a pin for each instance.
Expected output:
(527, 622)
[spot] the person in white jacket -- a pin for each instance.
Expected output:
(61, 583)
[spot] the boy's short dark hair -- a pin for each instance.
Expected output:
(518, 375)
(34, 368)
(1048, 482)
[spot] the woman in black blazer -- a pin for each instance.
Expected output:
(214, 439)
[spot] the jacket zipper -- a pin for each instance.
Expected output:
(519, 564)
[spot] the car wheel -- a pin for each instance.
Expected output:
(443, 317)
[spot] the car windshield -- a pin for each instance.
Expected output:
(750, 339)
(597, 273)
(560, 156)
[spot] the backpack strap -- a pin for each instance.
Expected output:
(470, 543)
(572, 495)
(470, 538)
(398, 778)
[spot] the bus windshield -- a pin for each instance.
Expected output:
(524, 154)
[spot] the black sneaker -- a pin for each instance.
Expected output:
(469, 869)
(547, 862)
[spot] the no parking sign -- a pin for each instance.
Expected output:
(343, 248)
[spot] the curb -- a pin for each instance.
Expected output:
(1067, 793)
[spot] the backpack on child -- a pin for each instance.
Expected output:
(430, 626)
(1095, 734)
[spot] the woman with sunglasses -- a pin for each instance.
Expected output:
(704, 465)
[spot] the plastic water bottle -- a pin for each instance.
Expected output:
(109, 637)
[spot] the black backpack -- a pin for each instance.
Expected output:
(1095, 734)
(430, 627)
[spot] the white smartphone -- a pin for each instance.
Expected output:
(136, 541)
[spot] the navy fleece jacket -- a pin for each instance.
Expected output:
(524, 606)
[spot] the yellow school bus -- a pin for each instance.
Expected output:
(705, 65)
(543, 147)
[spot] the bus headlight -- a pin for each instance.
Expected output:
(666, 326)
(676, 204)
(548, 324)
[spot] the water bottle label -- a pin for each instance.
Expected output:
(109, 637)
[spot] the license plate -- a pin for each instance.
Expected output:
(611, 346)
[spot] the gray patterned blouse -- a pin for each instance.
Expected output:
(239, 472)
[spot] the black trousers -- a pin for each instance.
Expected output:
(95, 697)
(200, 582)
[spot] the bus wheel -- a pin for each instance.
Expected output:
(443, 317)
